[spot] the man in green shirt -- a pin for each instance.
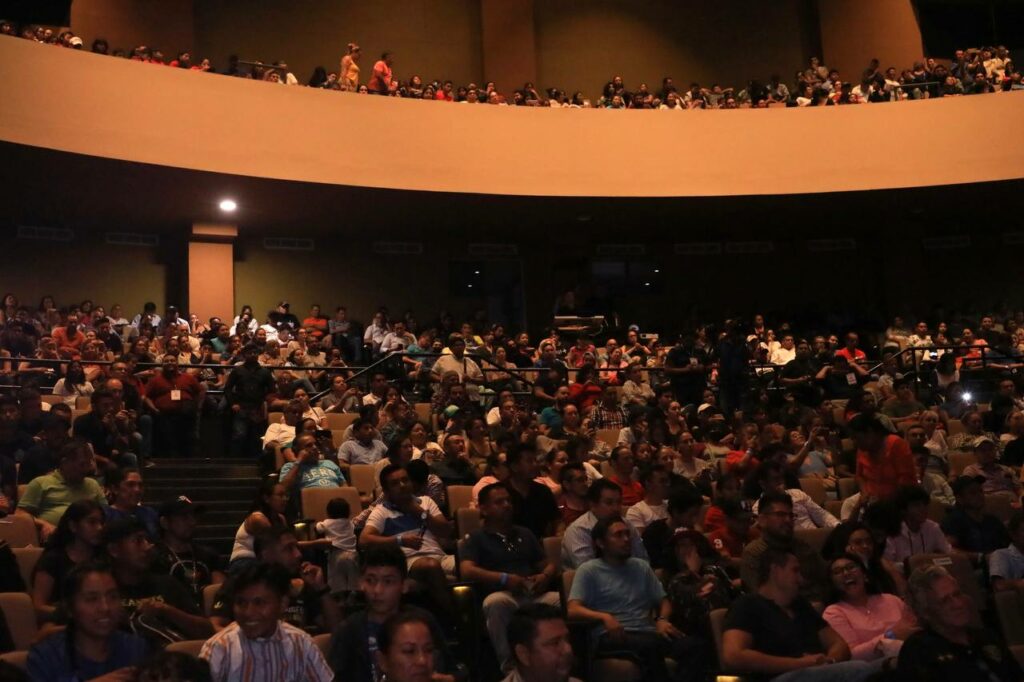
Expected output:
(48, 496)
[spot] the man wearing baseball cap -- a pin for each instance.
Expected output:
(178, 556)
(998, 478)
(970, 530)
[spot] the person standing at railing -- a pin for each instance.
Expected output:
(349, 73)
(382, 83)
(245, 391)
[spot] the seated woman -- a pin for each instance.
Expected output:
(553, 463)
(91, 645)
(700, 585)
(74, 542)
(73, 384)
(267, 511)
(874, 624)
(857, 539)
(310, 411)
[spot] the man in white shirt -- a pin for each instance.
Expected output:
(1006, 566)
(397, 339)
(785, 352)
(468, 371)
(653, 507)
(283, 433)
(806, 513)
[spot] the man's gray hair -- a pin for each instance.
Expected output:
(919, 588)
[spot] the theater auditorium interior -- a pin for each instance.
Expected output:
(714, 373)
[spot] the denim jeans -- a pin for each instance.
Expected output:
(850, 671)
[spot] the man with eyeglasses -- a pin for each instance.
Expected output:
(509, 562)
(775, 522)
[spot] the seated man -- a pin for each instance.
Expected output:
(775, 634)
(48, 497)
(655, 482)
(737, 531)
(949, 648)
(918, 534)
(903, 407)
(508, 562)
(363, 447)
(971, 531)
(354, 642)
(41, 458)
(281, 434)
(260, 645)
(1006, 566)
(683, 513)
(533, 504)
(605, 503)
(310, 605)
(775, 522)
(455, 468)
(412, 523)
(108, 431)
(806, 513)
(619, 592)
(997, 478)
(124, 488)
(309, 470)
(539, 641)
(179, 556)
(158, 607)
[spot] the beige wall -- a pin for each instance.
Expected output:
(126, 110)
(211, 280)
(166, 24)
(855, 31)
(84, 268)
(433, 38)
(508, 38)
(581, 44)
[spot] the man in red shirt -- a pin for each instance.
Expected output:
(884, 460)
(69, 338)
(175, 399)
(622, 463)
(850, 351)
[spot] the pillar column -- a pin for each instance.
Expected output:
(211, 271)
(509, 43)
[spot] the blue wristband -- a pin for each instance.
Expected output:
(503, 580)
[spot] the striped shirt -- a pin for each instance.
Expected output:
(289, 655)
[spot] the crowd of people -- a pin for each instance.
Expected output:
(785, 481)
(971, 71)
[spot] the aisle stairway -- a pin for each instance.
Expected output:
(226, 488)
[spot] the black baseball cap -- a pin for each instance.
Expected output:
(962, 483)
(180, 505)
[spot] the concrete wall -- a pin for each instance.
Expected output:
(581, 44)
(168, 24)
(126, 110)
(855, 31)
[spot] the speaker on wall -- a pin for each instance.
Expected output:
(46, 12)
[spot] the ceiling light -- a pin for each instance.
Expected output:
(228, 205)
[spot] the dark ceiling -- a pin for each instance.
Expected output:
(55, 189)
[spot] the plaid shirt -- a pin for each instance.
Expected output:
(288, 655)
(605, 418)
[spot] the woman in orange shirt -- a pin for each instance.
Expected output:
(884, 460)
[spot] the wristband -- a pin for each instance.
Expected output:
(398, 538)
(503, 580)
(890, 634)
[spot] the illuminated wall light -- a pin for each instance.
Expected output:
(228, 205)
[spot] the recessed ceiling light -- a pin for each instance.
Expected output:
(228, 205)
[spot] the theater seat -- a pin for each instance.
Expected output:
(847, 487)
(815, 537)
(553, 550)
(20, 615)
(815, 489)
(314, 501)
(27, 558)
(1010, 610)
(339, 421)
(466, 521)
(999, 505)
(959, 460)
(19, 531)
(459, 497)
(608, 436)
(363, 479)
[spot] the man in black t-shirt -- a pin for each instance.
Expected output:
(192, 564)
(159, 608)
(686, 369)
(776, 631)
(533, 504)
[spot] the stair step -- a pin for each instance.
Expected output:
(206, 495)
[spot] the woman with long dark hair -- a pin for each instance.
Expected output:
(92, 645)
(74, 542)
(267, 511)
(73, 384)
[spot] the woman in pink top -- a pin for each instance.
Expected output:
(873, 624)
